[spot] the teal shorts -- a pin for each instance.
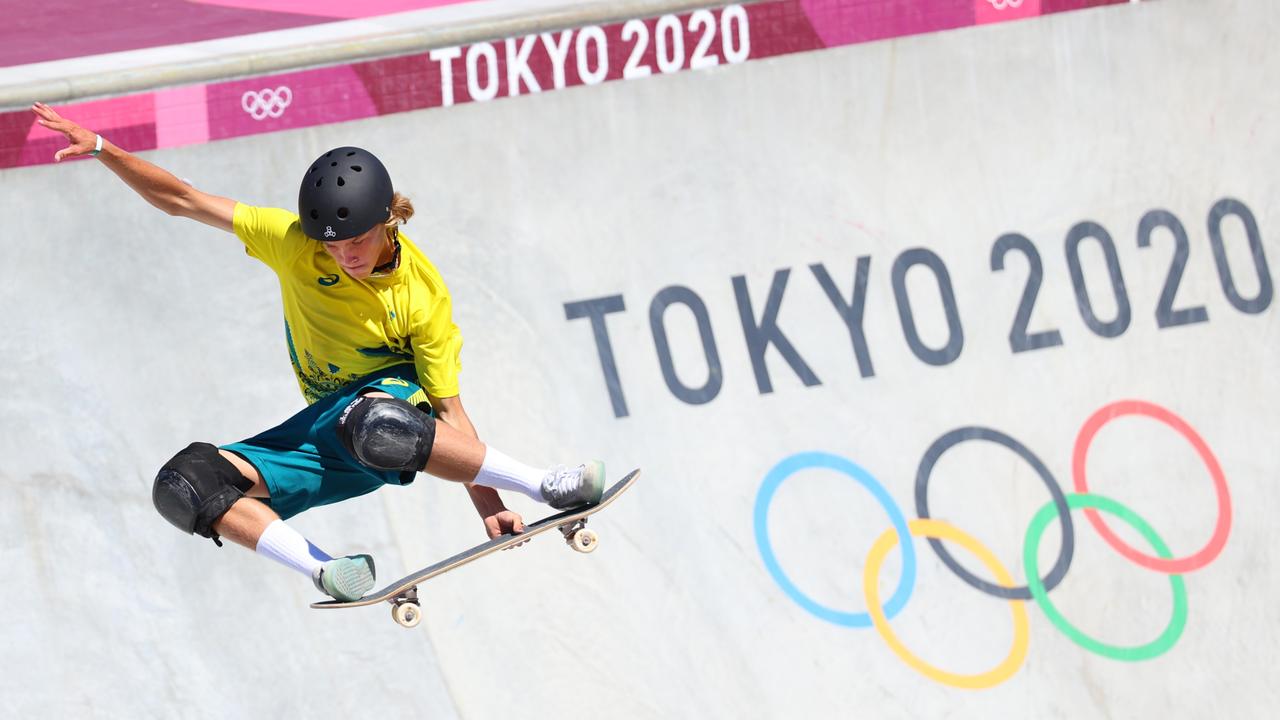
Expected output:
(302, 460)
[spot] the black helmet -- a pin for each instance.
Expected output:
(344, 193)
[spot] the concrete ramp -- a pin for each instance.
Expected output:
(892, 328)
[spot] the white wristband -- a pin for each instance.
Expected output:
(97, 148)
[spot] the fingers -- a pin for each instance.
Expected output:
(505, 523)
(74, 150)
(45, 111)
(517, 526)
(48, 118)
(45, 115)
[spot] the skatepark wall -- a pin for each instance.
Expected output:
(947, 349)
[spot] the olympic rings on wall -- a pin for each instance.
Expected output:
(960, 435)
(801, 461)
(938, 529)
(1220, 530)
(1143, 652)
(1037, 588)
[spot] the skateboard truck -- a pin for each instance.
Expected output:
(405, 609)
(579, 537)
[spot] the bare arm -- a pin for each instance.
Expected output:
(497, 518)
(451, 411)
(155, 184)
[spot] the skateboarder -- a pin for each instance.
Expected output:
(369, 328)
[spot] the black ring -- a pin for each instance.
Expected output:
(959, 435)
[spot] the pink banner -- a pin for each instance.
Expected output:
(488, 71)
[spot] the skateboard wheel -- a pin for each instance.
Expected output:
(407, 614)
(584, 540)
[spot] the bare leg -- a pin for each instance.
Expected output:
(244, 522)
(455, 455)
(256, 526)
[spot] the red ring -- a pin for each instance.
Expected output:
(1165, 565)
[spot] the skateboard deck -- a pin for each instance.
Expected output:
(403, 593)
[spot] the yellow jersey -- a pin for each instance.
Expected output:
(340, 329)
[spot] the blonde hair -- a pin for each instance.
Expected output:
(401, 211)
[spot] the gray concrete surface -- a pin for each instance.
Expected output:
(127, 334)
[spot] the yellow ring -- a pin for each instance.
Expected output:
(944, 531)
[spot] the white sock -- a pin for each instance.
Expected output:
(287, 546)
(503, 473)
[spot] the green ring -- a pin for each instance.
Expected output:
(1076, 501)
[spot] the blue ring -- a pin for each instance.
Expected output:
(801, 461)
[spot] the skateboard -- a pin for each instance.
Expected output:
(572, 523)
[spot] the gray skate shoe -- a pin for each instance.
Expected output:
(345, 578)
(565, 487)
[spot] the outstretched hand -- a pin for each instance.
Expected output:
(81, 141)
(504, 522)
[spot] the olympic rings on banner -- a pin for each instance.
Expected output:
(1037, 587)
(266, 103)
(1007, 591)
(1160, 564)
(939, 529)
(802, 461)
(1156, 647)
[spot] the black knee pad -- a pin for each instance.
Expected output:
(196, 488)
(387, 433)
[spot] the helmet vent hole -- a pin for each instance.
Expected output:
(357, 168)
(333, 164)
(320, 181)
(353, 152)
(315, 214)
(343, 213)
(341, 182)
